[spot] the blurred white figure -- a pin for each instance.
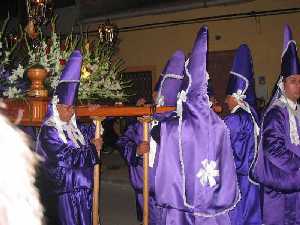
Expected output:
(19, 198)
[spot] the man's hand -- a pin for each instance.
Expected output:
(98, 142)
(143, 148)
(141, 102)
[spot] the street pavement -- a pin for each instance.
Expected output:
(117, 200)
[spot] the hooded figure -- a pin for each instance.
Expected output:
(168, 87)
(195, 178)
(278, 161)
(68, 156)
(242, 123)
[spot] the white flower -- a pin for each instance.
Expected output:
(12, 92)
(20, 71)
(208, 173)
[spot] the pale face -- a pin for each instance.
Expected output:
(292, 87)
(231, 102)
(65, 112)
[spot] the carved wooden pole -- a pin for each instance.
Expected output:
(145, 121)
(96, 189)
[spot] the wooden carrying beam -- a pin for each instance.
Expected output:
(31, 111)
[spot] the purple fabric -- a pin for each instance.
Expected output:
(67, 175)
(204, 136)
(277, 168)
(67, 89)
(177, 217)
(32, 132)
(75, 208)
(169, 87)
(242, 65)
(248, 210)
(128, 143)
(290, 61)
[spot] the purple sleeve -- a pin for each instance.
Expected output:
(129, 141)
(63, 154)
(275, 143)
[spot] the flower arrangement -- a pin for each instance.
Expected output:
(50, 53)
(101, 73)
(10, 81)
(101, 70)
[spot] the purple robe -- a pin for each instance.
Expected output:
(128, 143)
(277, 168)
(67, 176)
(247, 211)
(195, 177)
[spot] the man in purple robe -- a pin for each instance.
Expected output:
(132, 145)
(195, 178)
(278, 161)
(243, 125)
(68, 155)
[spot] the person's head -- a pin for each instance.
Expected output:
(291, 86)
(231, 102)
(65, 94)
(241, 83)
(216, 106)
(65, 112)
(290, 66)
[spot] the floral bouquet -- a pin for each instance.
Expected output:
(101, 73)
(50, 53)
(101, 78)
(10, 80)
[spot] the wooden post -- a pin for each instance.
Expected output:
(96, 189)
(145, 121)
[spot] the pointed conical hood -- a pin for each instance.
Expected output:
(241, 80)
(67, 88)
(196, 65)
(171, 81)
(289, 58)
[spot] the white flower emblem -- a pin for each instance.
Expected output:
(208, 173)
(239, 95)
